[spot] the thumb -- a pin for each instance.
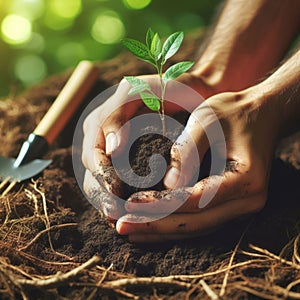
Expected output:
(115, 126)
(186, 154)
(116, 131)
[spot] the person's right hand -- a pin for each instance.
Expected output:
(242, 129)
(102, 134)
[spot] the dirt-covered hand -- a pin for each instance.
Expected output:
(106, 129)
(250, 130)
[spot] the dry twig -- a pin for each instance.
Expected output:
(146, 281)
(296, 256)
(276, 257)
(59, 278)
(54, 227)
(93, 293)
(222, 291)
(210, 293)
(47, 221)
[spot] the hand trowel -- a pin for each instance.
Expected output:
(26, 165)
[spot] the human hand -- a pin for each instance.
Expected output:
(105, 133)
(250, 130)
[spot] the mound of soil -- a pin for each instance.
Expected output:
(48, 226)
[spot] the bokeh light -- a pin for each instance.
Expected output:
(15, 29)
(60, 14)
(36, 43)
(136, 4)
(108, 28)
(30, 69)
(30, 9)
(68, 9)
(43, 37)
(56, 22)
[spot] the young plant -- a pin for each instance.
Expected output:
(157, 54)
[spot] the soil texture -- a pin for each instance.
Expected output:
(47, 225)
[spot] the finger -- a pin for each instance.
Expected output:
(96, 161)
(116, 129)
(191, 224)
(157, 238)
(106, 174)
(122, 108)
(90, 184)
(93, 138)
(154, 202)
(236, 182)
(186, 154)
(102, 200)
(203, 131)
(94, 157)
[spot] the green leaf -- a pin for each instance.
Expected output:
(149, 37)
(171, 45)
(138, 85)
(176, 70)
(136, 81)
(138, 49)
(156, 47)
(151, 101)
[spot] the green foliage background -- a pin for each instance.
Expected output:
(63, 32)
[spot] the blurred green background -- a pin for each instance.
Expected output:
(43, 37)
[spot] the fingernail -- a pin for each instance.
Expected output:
(111, 143)
(172, 178)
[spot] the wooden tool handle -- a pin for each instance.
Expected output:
(68, 100)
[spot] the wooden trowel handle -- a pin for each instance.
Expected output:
(68, 100)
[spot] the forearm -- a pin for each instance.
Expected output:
(281, 92)
(249, 40)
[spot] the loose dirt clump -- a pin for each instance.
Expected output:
(55, 245)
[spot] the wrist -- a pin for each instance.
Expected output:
(274, 101)
(281, 92)
(239, 54)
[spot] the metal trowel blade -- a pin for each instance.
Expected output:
(22, 172)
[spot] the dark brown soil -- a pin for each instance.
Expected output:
(144, 148)
(78, 231)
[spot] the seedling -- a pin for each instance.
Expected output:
(157, 54)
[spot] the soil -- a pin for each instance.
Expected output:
(144, 148)
(79, 232)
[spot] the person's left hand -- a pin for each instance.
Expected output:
(250, 130)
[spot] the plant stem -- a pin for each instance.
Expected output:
(163, 92)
